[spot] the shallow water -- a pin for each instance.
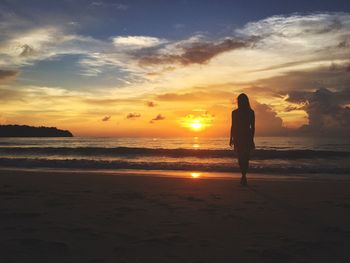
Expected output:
(272, 154)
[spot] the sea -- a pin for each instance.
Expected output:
(287, 155)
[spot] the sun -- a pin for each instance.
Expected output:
(197, 122)
(196, 125)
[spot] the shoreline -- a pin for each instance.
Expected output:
(200, 175)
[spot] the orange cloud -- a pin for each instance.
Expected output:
(106, 118)
(133, 115)
(159, 117)
(151, 104)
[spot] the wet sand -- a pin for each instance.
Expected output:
(97, 217)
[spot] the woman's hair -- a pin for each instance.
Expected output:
(243, 102)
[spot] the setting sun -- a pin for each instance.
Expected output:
(196, 125)
(198, 121)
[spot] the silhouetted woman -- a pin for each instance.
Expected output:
(242, 134)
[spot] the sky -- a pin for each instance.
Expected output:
(175, 68)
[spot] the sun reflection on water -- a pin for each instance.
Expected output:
(195, 175)
(195, 143)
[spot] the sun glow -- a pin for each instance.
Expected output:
(195, 175)
(197, 122)
(196, 125)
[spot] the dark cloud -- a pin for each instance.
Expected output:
(344, 44)
(151, 104)
(334, 76)
(27, 51)
(194, 53)
(133, 115)
(327, 111)
(106, 118)
(339, 68)
(332, 98)
(326, 108)
(7, 74)
(159, 117)
(267, 122)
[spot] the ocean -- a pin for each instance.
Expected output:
(288, 155)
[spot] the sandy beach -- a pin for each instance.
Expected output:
(96, 217)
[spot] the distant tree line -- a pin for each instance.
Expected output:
(30, 131)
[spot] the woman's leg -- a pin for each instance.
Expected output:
(243, 161)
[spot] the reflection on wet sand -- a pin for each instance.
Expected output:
(195, 175)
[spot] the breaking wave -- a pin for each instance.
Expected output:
(258, 154)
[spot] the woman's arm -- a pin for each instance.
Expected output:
(252, 124)
(232, 130)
